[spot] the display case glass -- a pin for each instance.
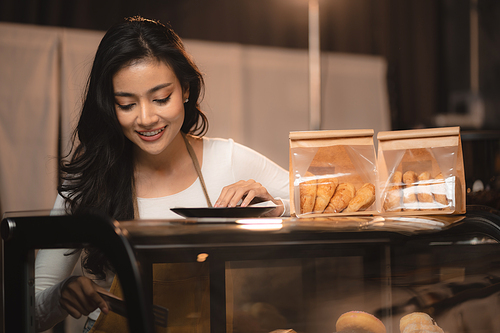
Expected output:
(285, 274)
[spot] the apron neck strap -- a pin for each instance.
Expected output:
(192, 154)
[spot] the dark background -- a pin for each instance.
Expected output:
(425, 42)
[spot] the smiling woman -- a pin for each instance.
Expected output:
(149, 106)
(141, 151)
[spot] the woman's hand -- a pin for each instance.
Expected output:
(248, 192)
(79, 297)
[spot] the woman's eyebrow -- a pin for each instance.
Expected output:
(150, 91)
(160, 86)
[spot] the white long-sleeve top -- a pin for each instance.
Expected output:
(224, 162)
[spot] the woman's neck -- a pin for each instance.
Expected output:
(173, 155)
(164, 174)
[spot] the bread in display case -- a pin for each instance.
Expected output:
(421, 171)
(332, 172)
(291, 275)
(415, 172)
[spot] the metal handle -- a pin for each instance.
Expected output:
(7, 229)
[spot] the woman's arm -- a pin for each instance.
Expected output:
(57, 293)
(52, 269)
(259, 178)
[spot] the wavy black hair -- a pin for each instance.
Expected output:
(99, 175)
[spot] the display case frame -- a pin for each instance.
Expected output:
(134, 246)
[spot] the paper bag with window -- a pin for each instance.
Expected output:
(421, 172)
(332, 173)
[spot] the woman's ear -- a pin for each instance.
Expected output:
(185, 93)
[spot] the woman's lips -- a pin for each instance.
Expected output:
(151, 135)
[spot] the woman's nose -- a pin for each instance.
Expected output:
(147, 115)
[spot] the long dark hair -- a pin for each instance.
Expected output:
(99, 175)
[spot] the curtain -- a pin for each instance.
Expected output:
(29, 117)
(255, 95)
(77, 54)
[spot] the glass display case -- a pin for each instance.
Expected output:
(293, 274)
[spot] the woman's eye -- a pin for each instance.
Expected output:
(124, 107)
(163, 100)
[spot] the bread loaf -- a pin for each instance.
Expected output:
(424, 194)
(392, 202)
(409, 194)
(439, 191)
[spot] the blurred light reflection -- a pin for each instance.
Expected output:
(260, 224)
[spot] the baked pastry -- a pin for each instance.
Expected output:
(424, 190)
(439, 190)
(359, 321)
(418, 322)
(363, 199)
(308, 191)
(409, 194)
(343, 195)
(414, 328)
(325, 190)
(392, 202)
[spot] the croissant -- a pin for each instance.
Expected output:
(344, 194)
(393, 197)
(364, 198)
(308, 191)
(325, 190)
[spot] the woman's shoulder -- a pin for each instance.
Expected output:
(217, 144)
(229, 147)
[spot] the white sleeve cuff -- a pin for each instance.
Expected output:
(48, 311)
(286, 207)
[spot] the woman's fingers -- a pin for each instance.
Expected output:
(71, 310)
(79, 297)
(227, 194)
(249, 197)
(75, 305)
(248, 192)
(244, 191)
(97, 300)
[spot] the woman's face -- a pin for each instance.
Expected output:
(149, 104)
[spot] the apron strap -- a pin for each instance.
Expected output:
(197, 167)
